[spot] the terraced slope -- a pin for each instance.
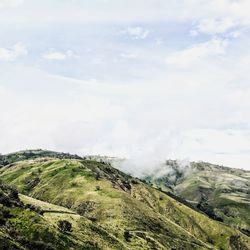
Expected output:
(128, 213)
(221, 192)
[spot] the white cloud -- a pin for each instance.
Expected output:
(128, 55)
(227, 11)
(213, 26)
(235, 34)
(11, 54)
(147, 122)
(10, 3)
(136, 32)
(219, 17)
(146, 109)
(201, 142)
(197, 52)
(59, 56)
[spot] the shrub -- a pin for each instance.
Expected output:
(134, 181)
(30, 184)
(34, 208)
(73, 184)
(85, 207)
(5, 200)
(64, 226)
(4, 215)
(127, 235)
(14, 194)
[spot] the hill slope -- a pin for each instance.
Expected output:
(26, 223)
(221, 192)
(114, 210)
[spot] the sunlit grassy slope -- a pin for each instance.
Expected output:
(112, 210)
(23, 228)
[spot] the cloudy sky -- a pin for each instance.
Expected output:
(142, 79)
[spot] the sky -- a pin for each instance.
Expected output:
(146, 80)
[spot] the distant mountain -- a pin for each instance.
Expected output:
(221, 192)
(70, 202)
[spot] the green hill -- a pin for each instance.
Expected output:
(107, 209)
(26, 223)
(221, 192)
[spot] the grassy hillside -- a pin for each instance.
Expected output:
(114, 210)
(221, 192)
(26, 223)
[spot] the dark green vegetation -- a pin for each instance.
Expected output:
(75, 203)
(220, 192)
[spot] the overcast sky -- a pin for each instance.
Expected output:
(142, 79)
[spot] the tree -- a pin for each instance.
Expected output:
(64, 226)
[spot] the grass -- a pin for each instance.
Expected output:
(221, 187)
(153, 219)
